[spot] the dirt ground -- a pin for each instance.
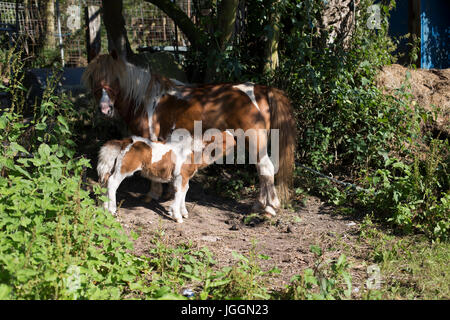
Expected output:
(218, 224)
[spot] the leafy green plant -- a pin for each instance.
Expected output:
(183, 266)
(246, 280)
(55, 242)
(323, 282)
(413, 195)
(47, 58)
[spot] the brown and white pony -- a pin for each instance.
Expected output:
(170, 161)
(153, 106)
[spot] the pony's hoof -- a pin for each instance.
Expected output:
(185, 214)
(151, 196)
(168, 194)
(270, 211)
(147, 199)
(257, 207)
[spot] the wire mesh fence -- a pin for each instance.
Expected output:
(24, 20)
(63, 31)
(148, 26)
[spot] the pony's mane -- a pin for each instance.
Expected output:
(103, 67)
(136, 83)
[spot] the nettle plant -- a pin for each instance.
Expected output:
(348, 126)
(327, 280)
(55, 242)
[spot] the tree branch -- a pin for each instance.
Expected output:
(192, 32)
(115, 27)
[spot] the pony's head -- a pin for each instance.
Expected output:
(101, 78)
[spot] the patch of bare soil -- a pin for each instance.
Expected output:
(428, 87)
(218, 223)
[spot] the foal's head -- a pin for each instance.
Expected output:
(101, 78)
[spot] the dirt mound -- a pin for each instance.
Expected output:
(428, 87)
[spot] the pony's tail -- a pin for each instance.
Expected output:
(282, 118)
(107, 158)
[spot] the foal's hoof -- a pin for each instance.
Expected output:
(179, 220)
(112, 211)
(175, 217)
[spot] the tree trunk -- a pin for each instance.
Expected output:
(226, 17)
(271, 50)
(50, 31)
(115, 27)
(93, 40)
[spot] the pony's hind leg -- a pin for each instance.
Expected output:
(267, 200)
(155, 192)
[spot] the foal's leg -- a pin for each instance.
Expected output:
(180, 193)
(118, 176)
(183, 209)
(114, 182)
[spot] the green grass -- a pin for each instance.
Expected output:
(412, 267)
(185, 266)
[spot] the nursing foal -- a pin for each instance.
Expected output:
(171, 161)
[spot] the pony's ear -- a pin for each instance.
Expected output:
(114, 54)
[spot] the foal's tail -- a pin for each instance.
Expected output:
(107, 158)
(282, 118)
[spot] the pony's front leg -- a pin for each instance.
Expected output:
(113, 184)
(155, 191)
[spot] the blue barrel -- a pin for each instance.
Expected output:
(435, 34)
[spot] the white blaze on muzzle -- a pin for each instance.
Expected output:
(106, 104)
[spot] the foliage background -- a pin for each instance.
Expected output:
(347, 126)
(52, 230)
